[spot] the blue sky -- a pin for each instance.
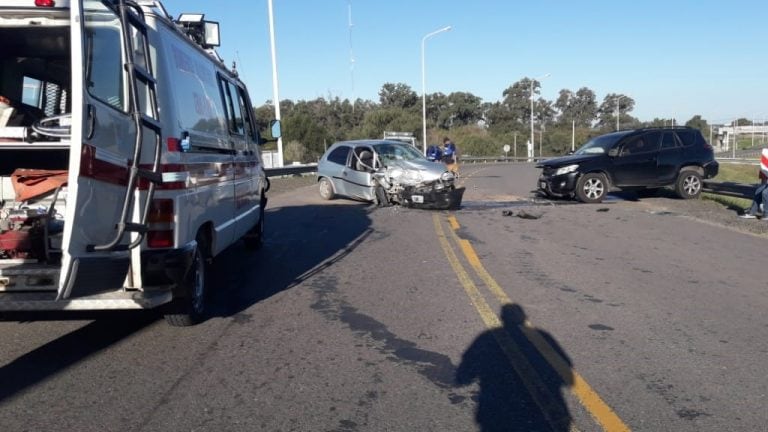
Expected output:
(676, 58)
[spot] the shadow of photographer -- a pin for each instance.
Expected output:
(519, 389)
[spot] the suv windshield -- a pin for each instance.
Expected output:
(600, 145)
(397, 152)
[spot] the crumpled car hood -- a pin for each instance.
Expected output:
(414, 173)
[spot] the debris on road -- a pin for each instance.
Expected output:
(603, 209)
(522, 214)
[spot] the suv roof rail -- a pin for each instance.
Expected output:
(665, 127)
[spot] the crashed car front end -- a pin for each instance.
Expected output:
(419, 186)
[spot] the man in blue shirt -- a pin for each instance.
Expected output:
(434, 153)
(450, 156)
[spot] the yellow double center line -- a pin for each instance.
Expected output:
(589, 399)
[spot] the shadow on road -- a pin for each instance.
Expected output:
(58, 355)
(519, 390)
(301, 241)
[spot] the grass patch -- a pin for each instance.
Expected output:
(731, 203)
(736, 173)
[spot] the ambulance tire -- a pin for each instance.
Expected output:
(254, 240)
(189, 309)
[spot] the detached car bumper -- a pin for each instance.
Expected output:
(433, 199)
(559, 186)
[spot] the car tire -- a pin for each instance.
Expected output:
(326, 189)
(189, 308)
(688, 185)
(591, 188)
(254, 239)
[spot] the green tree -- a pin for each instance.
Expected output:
(302, 128)
(388, 119)
(462, 109)
(398, 95)
(580, 107)
(699, 123)
(608, 110)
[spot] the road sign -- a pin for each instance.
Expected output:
(506, 148)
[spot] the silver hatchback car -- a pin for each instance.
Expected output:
(386, 172)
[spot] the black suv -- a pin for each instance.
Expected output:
(638, 159)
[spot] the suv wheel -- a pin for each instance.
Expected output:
(591, 188)
(688, 184)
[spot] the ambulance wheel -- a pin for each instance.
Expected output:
(189, 308)
(254, 240)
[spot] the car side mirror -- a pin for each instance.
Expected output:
(613, 152)
(274, 125)
(571, 152)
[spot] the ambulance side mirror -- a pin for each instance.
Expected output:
(276, 129)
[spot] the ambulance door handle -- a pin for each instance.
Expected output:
(91, 122)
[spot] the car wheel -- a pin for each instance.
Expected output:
(189, 309)
(591, 188)
(326, 189)
(255, 237)
(688, 184)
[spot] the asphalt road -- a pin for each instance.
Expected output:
(618, 316)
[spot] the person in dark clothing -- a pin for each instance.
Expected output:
(450, 156)
(434, 153)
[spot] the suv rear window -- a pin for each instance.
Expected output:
(687, 137)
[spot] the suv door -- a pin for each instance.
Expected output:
(669, 157)
(636, 163)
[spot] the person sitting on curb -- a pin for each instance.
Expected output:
(757, 209)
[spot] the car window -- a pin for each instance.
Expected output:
(652, 141)
(668, 141)
(339, 155)
(389, 153)
(641, 144)
(688, 137)
(363, 159)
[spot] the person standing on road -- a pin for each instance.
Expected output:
(450, 156)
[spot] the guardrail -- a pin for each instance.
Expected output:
(736, 190)
(291, 170)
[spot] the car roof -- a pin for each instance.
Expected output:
(369, 142)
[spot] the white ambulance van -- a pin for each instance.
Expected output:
(129, 157)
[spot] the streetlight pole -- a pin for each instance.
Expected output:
(533, 80)
(618, 112)
(275, 84)
(424, 86)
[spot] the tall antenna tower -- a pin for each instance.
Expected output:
(351, 55)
